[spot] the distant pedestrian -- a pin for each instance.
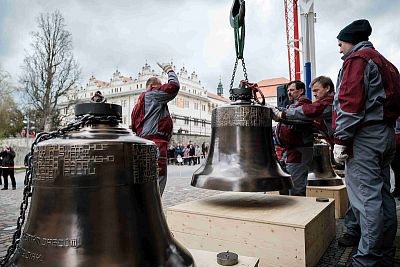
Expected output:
(98, 98)
(8, 156)
(197, 153)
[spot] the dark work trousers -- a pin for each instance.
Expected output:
(351, 223)
(299, 171)
(6, 173)
(367, 177)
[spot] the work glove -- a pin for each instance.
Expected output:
(166, 67)
(276, 113)
(339, 153)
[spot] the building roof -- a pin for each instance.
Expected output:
(101, 83)
(268, 86)
(217, 97)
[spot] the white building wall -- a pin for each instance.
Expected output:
(190, 109)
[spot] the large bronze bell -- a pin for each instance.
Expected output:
(242, 156)
(96, 200)
(321, 172)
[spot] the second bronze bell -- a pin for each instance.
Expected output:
(321, 172)
(242, 156)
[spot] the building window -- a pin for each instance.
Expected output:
(203, 123)
(186, 120)
(203, 107)
(186, 103)
(196, 106)
(196, 122)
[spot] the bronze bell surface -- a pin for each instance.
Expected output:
(96, 200)
(321, 172)
(242, 156)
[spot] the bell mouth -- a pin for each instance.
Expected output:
(244, 184)
(235, 179)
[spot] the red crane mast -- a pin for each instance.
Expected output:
(292, 38)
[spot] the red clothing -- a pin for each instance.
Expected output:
(362, 87)
(320, 112)
(294, 136)
(290, 136)
(150, 116)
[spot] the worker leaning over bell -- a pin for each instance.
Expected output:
(297, 140)
(319, 111)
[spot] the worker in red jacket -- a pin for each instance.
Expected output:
(365, 141)
(151, 118)
(319, 111)
(297, 140)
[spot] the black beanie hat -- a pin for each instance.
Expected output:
(355, 32)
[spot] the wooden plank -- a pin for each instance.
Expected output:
(204, 258)
(251, 227)
(318, 236)
(266, 258)
(266, 241)
(257, 207)
(339, 193)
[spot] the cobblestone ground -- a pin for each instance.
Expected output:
(178, 190)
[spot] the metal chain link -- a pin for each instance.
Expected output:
(75, 125)
(234, 72)
(244, 71)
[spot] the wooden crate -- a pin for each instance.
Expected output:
(280, 230)
(204, 258)
(339, 193)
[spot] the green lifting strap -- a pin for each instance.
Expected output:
(239, 37)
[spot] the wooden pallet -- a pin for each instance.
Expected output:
(280, 230)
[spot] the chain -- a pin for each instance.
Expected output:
(244, 71)
(75, 125)
(234, 72)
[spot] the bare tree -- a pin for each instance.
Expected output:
(5, 87)
(51, 70)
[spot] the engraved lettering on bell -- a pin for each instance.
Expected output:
(74, 160)
(29, 255)
(51, 242)
(247, 116)
(144, 163)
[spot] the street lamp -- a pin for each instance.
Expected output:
(28, 126)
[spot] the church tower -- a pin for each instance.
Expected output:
(220, 88)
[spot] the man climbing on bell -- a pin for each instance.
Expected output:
(151, 118)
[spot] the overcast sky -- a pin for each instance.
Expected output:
(194, 33)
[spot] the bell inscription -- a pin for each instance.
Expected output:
(144, 163)
(26, 254)
(236, 116)
(51, 242)
(73, 160)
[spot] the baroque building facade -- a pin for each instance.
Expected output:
(190, 110)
